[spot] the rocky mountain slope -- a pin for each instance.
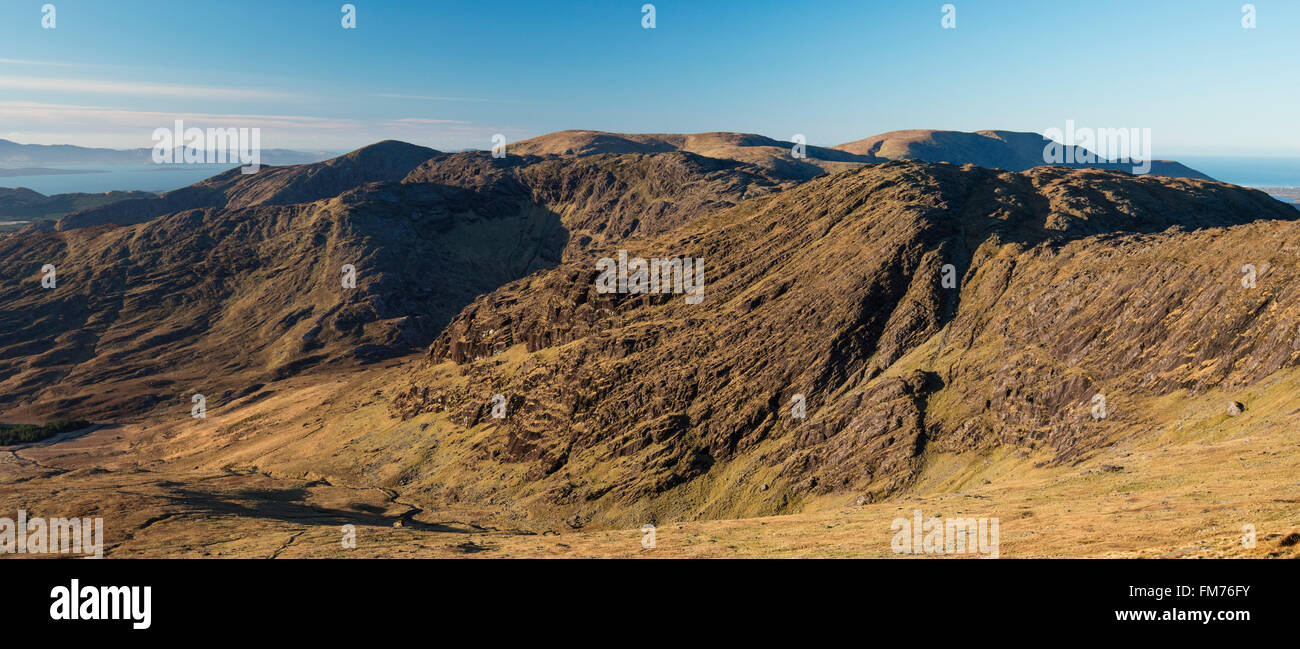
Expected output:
(609, 197)
(237, 280)
(218, 299)
(1066, 284)
(270, 185)
(277, 473)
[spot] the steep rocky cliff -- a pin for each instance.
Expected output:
(1064, 285)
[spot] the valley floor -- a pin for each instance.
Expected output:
(1186, 491)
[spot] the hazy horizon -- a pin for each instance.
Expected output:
(487, 147)
(1251, 171)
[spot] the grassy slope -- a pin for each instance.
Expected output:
(228, 486)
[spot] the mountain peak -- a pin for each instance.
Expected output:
(390, 148)
(386, 161)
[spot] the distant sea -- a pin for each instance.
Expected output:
(1248, 172)
(94, 179)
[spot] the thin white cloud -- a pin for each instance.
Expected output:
(26, 62)
(106, 116)
(431, 98)
(134, 88)
(50, 123)
(422, 120)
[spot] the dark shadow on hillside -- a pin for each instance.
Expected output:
(291, 506)
(29, 435)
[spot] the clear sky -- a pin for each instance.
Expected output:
(449, 74)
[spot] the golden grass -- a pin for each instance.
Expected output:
(279, 476)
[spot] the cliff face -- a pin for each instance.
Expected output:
(1064, 285)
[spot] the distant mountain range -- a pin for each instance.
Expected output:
(36, 171)
(1009, 150)
(758, 150)
(15, 154)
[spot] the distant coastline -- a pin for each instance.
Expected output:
(7, 172)
(1258, 172)
(1289, 194)
(95, 179)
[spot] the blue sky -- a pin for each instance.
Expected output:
(450, 74)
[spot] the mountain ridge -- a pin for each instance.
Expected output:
(1010, 150)
(387, 160)
(623, 405)
(14, 153)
